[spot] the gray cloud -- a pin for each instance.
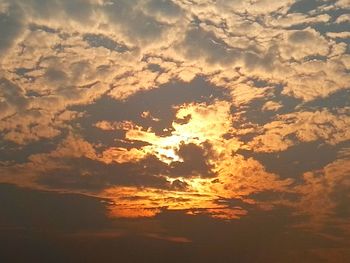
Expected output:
(89, 175)
(199, 43)
(163, 7)
(11, 25)
(134, 23)
(195, 161)
(12, 99)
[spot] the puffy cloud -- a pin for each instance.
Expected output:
(343, 4)
(256, 7)
(303, 43)
(315, 79)
(244, 93)
(294, 19)
(345, 18)
(336, 35)
(134, 82)
(122, 155)
(272, 106)
(39, 117)
(304, 126)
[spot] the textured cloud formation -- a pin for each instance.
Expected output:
(274, 75)
(298, 127)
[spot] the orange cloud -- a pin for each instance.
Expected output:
(306, 127)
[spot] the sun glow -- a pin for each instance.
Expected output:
(204, 124)
(231, 175)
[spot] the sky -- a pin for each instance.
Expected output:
(175, 131)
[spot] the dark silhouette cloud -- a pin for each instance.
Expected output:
(195, 161)
(93, 175)
(73, 228)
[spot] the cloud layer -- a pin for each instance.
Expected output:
(158, 99)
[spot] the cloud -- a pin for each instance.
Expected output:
(317, 74)
(100, 40)
(76, 10)
(343, 4)
(341, 35)
(323, 192)
(55, 63)
(133, 22)
(272, 106)
(295, 19)
(154, 98)
(199, 43)
(239, 178)
(12, 99)
(11, 25)
(304, 126)
(76, 165)
(345, 18)
(194, 161)
(303, 43)
(163, 9)
(255, 7)
(245, 93)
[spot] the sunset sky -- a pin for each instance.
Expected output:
(175, 131)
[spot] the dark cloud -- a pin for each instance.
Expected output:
(38, 27)
(55, 75)
(256, 60)
(163, 7)
(132, 21)
(171, 94)
(78, 10)
(288, 164)
(339, 99)
(179, 185)
(106, 42)
(73, 228)
(11, 25)
(86, 174)
(199, 43)
(9, 150)
(12, 98)
(195, 161)
(83, 173)
(301, 36)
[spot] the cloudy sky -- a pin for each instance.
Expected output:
(175, 130)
